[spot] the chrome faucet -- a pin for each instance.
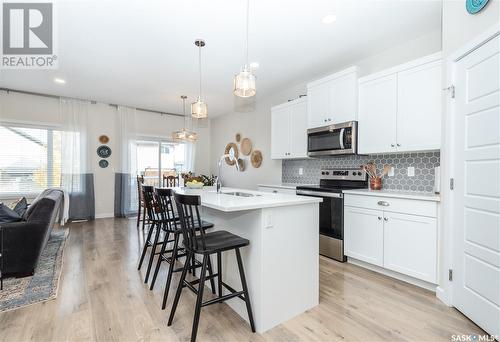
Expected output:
(231, 157)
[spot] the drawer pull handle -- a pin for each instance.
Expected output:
(383, 203)
(379, 218)
(275, 191)
(386, 219)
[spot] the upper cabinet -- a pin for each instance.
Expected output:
(289, 130)
(333, 99)
(400, 108)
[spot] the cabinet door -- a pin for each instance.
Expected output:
(298, 130)
(364, 234)
(377, 115)
(344, 98)
(419, 108)
(410, 245)
(280, 132)
(318, 105)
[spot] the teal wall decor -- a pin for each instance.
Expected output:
(475, 6)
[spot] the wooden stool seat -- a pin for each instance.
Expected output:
(220, 241)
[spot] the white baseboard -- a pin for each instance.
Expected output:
(443, 296)
(396, 275)
(104, 215)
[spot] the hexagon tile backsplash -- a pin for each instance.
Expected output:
(423, 162)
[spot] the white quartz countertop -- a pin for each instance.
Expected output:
(423, 196)
(291, 186)
(228, 203)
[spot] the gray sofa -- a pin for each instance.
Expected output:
(24, 241)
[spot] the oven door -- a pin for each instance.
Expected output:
(331, 213)
(332, 140)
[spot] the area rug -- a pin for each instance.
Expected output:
(43, 284)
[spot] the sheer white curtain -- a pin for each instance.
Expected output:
(189, 157)
(126, 177)
(76, 170)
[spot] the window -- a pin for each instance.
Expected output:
(155, 158)
(30, 160)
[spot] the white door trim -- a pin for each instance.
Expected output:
(444, 292)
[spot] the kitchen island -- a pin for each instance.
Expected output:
(282, 261)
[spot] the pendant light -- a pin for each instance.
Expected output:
(186, 134)
(199, 108)
(244, 81)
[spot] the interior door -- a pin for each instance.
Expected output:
(377, 115)
(476, 197)
(280, 132)
(419, 108)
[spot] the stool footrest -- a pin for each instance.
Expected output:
(222, 299)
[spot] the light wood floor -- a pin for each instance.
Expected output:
(102, 297)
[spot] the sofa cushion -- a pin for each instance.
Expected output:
(20, 206)
(8, 215)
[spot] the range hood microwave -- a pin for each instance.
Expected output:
(333, 140)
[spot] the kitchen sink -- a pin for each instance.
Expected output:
(241, 194)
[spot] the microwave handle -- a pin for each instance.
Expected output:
(341, 138)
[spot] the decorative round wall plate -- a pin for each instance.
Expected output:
(236, 154)
(103, 163)
(256, 158)
(103, 151)
(475, 6)
(103, 139)
(241, 164)
(237, 137)
(246, 146)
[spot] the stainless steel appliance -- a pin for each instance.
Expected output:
(333, 139)
(331, 210)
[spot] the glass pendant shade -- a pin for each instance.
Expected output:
(199, 109)
(244, 83)
(186, 134)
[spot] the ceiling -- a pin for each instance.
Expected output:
(142, 53)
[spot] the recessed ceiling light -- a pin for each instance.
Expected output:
(59, 80)
(328, 19)
(254, 65)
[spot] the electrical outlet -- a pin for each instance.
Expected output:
(301, 171)
(411, 171)
(391, 172)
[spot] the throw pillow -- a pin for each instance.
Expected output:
(8, 215)
(20, 206)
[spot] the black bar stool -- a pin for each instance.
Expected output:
(154, 218)
(171, 225)
(207, 244)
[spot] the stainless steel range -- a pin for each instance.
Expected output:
(331, 210)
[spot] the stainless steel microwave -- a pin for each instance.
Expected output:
(333, 140)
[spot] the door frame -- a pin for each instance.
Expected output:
(446, 260)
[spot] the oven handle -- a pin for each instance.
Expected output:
(319, 194)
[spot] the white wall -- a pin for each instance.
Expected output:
(256, 124)
(103, 119)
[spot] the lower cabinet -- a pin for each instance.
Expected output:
(403, 241)
(410, 245)
(364, 235)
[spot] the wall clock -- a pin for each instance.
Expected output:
(103, 151)
(103, 163)
(475, 6)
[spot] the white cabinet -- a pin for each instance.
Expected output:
(289, 130)
(419, 108)
(333, 99)
(400, 235)
(377, 115)
(364, 234)
(410, 245)
(400, 108)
